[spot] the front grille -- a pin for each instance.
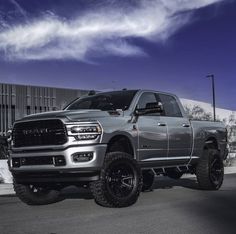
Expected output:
(30, 161)
(39, 133)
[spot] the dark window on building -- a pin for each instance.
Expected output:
(28, 110)
(35, 109)
(170, 105)
(3, 115)
(7, 117)
(45, 108)
(13, 113)
(40, 109)
(0, 118)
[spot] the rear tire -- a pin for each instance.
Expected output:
(120, 181)
(35, 195)
(210, 170)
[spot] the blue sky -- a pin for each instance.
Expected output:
(166, 45)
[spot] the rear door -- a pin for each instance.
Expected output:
(178, 128)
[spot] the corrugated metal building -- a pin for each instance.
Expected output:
(17, 101)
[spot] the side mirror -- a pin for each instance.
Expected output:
(151, 107)
(9, 135)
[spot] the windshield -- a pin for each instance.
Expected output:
(105, 101)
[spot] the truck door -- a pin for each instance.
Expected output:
(152, 132)
(179, 128)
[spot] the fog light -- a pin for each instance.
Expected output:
(16, 162)
(82, 157)
(86, 137)
(59, 161)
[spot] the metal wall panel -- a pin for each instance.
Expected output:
(15, 99)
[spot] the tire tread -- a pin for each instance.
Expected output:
(98, 188)
(22, 191)
(202, 170)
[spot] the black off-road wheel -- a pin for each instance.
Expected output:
(148, 180)
(36, 195)
(210, 170)
(174, 174)
(120, 181)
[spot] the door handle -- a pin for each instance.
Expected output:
(161, 124)
(186, 125)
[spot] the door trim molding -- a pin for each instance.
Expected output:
(170, 158)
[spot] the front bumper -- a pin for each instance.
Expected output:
(71, 171)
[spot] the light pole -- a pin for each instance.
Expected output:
(213, 94)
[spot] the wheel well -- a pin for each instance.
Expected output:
(120, 143)
(211, 143)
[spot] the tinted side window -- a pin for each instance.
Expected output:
(170, 105)
(147, 98)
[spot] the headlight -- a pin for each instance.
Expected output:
(85, 129)
(84, 132)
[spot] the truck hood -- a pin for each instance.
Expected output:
(73, 115)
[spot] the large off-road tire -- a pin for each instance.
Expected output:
(148, 180)
(120, 181)
(210, 170)
(174, 174)
(35, 195)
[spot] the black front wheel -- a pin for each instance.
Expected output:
(120, 181)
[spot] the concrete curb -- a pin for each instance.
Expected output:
(5, 174)
(230, 170)
(6, 189)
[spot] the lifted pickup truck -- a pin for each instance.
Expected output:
(115, 143)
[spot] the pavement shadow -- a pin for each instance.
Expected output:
(167, 183)
(73, 192)
(8, 195)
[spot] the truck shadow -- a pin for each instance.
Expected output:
(167, 183)
(73, 192)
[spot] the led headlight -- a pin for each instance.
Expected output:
(85, 129)
(84, 132)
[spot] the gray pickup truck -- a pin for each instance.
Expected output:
(114, 143)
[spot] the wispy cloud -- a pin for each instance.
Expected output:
(107, 30)
(19, 8)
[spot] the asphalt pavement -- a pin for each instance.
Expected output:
(174, 206)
